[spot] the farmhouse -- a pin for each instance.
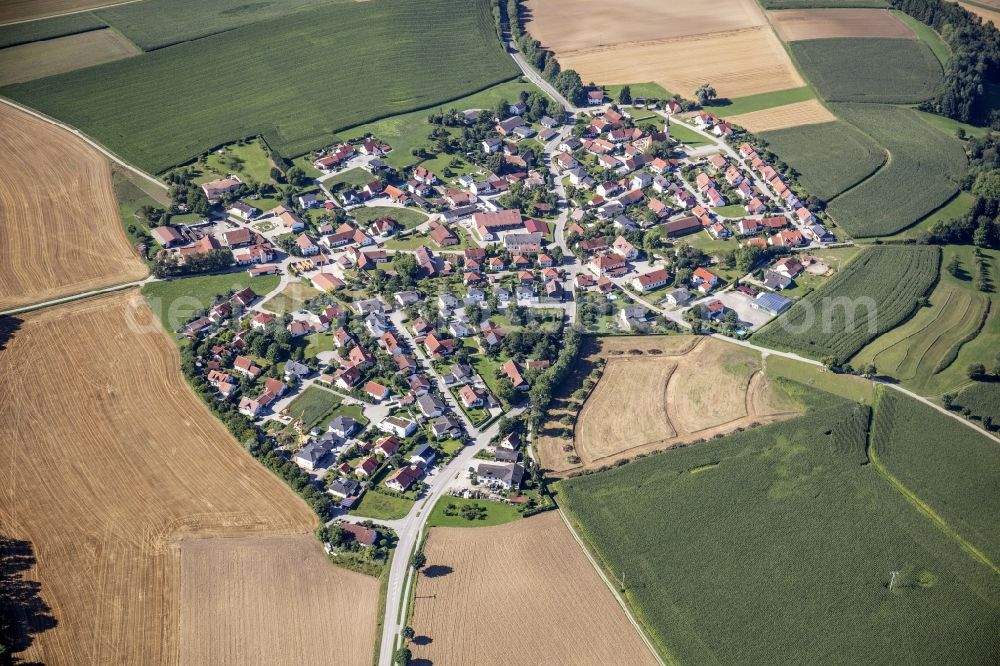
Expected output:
(216, 188)
(507, 475)
(650, 281)
(166, 236)
(488, 225)
(682, 226)
(607, 264)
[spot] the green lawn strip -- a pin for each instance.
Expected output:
(846, 386)
(822, 4)
(927, 35)
(492, 513)
(175, 301)
(761, 101)
(949, 126)
(130, 199)
(732, 210)
(164, 108)
(944, 468)
(313, 406)
(380, 506)
(688, 136)
(355, 177)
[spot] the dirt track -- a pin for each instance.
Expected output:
(520, 593)
(60, 232)
(108, 459)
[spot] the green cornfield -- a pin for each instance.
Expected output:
(888, 71)
(296, 81)
(828, 157)
(871, 295)
(947, 464)
(775, 546)
(921, 175)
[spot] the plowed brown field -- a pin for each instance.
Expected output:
(60, 232)
(796, 24)
(109, 459)
(519, 593)
(810, 112)
(985, 14)
(679, 45)
(695, 388)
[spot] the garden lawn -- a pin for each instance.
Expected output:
(645, 90)
(166, 107)
(497, 513)
(176, 301)
(686, 135)
(355, 177)
(314, 406)
(408, 217)
(382, 507)
(775, 546)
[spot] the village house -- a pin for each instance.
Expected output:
(651, 280)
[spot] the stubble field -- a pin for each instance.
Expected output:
(657, 392)
(522, 592)
(810, 112)
(102, 486)
(60, 231)
(19, 10)
(677, 45)
(273, 600)
(796, 24)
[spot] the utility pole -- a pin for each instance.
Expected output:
(892, 579)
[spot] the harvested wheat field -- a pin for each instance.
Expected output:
(795, 24)
(987, 15)
(239, 605)
(651, 396)
(109, 459)
(810, 112)
(523, 592)
(570, 25)
(678, 45)
(60, 233)
(738, 63)
(63, 54)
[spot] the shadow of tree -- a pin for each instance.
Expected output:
(8, 327)
(437, 570)
(23, 612)
(422, 640)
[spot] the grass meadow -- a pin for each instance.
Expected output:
(775, 546)
(874, 293)
(296, 82)
(175, 301)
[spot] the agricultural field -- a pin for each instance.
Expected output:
(292, 297)
(20, 10)
(810, 112)
(923, 353)
(775, 546)
(873, 294)
(982, 399)
(534, 575)
(949, 466)
(820, 4)
(72, 24)
(661, 392)
(799, 24)
(63, 54)
(130, 487)
(921, 176)
(233, 589)
(67, 238)
(154, 24)
(727, 108)
(841, 70)
(176, 301)
(676, 45)
(987, 15)
(828, 158)
(166, 107)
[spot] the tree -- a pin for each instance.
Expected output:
(408, 633)
(402, 656)
(976, 371)
(419, 560)
(948, 400)
(705, 94)
(625, 96)
(954, 265)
